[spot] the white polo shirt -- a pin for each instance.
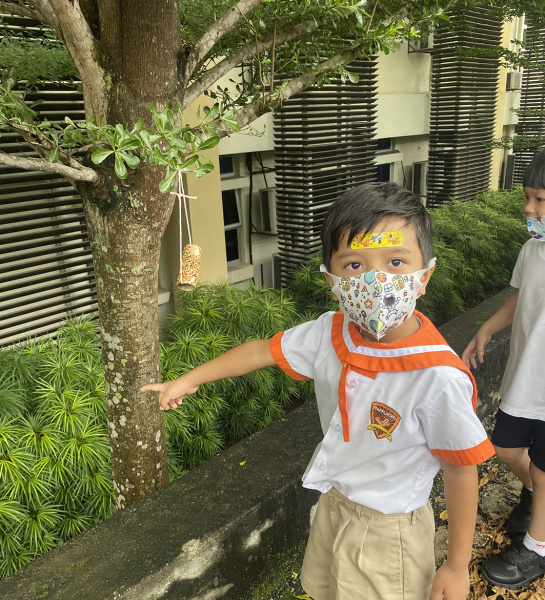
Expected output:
(521, 393)
(404, 407)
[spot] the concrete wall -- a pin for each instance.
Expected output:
(214, 533)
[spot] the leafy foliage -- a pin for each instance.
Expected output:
(273, 44)
(55, 477)
(168, 142)
(211, 320)
(476, 243)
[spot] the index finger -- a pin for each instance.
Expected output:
(152, 387)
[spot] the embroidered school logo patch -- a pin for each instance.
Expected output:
(383, 420)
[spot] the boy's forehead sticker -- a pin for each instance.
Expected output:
(377, 240)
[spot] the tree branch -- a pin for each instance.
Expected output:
(82, 45)
(45, 13)
(42, 145)
(19, 10)
(219, 28)
(238, 57)
(271, 102)
(39, 164)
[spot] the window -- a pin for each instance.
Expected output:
(227, 166)
(384, 145)
(46, 271)
(232, 223)
(383, 172)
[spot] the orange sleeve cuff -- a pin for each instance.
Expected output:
(470, 456)
(280, 359)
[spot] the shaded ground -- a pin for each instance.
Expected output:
(498, 493)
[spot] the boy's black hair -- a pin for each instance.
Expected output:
(534, 176)
(359, 210)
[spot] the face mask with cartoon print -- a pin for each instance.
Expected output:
(377, 301)
(536, 227)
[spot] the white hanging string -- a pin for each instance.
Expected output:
(181, 194)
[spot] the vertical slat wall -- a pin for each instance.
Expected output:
(323, 146)
(46, 271)
(463, 108)
(532, 97)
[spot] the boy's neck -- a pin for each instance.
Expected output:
(407, 328)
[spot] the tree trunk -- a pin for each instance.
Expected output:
(126, 220)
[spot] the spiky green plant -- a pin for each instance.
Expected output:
(55, 478)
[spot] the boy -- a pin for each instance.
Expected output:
(519, 433)
(395, 403)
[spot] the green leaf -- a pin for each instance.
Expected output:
(131, 160)
(168, 182)
(120, 168)
(179, 143)
(100, 155)
(203, 170)
(354, 77)
(191, 160)
(230, 119)
(53, 156)
(211, 142)
(211, 113)
(130, 144)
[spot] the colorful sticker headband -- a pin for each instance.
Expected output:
(377, 240)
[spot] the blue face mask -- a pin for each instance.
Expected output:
(536, 228)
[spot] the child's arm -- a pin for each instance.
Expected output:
(240, 360)
(502, 318)
(461, 483)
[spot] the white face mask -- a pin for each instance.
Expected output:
(376, 301)
(536, 228)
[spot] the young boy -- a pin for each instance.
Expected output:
(519, 433)
(395, 404)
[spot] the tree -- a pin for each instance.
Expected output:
(141, 64)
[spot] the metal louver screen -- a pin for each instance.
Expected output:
(46, 271)
(463, 108)
(323, 147)
(532, 97)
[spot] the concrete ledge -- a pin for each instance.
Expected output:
(214, 532)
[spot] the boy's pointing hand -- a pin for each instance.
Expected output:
(171, 393)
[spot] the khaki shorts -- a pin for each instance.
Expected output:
(357, 553)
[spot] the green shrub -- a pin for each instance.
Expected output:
(213, 319)
(55, 476)
(476, 243)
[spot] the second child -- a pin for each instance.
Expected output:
(519, 433)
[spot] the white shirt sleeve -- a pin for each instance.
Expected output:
(516, 277)
(300, 346)
(453, 431)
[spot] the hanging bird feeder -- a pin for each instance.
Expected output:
(190, 255)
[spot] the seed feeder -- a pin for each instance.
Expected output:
(190, 255)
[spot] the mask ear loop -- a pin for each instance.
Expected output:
(190, 255)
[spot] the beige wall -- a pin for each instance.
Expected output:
(497, 153)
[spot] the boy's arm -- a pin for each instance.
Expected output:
(502, 318)
(243, 359)
(451, 581)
